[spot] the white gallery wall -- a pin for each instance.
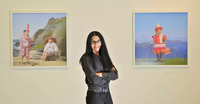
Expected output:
(113, 18)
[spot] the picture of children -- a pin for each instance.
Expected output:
(159, 40)
(50, 48)
(25, 45)
(45, 45)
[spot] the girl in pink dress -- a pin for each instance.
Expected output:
(25, 45)
(159, 40)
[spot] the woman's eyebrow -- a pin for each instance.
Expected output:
(96, 40)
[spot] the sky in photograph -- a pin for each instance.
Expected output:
(35, 20)
(175, 26)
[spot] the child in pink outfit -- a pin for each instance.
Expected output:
(159, 40)
(25, 45)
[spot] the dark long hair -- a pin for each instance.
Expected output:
(103, 52)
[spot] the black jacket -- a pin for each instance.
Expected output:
(93, 66)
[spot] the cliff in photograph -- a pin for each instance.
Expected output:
(55, 27)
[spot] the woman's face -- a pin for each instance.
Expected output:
(50, 40)
(158, 31)
(95, 43)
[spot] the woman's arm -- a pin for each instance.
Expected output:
(112, 75)
(89, 71)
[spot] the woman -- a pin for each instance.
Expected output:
(50, 48)
(25, 45)
(99, 70)
(159, 38)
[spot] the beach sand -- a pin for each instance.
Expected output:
(35, 61)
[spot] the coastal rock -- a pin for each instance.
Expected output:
(55, 28)
(52, 58)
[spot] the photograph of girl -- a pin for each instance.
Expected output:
(160, 39)
(43, 42)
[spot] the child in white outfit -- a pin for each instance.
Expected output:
(50, 48)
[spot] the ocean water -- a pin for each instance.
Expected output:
(16, 40)
(16, 50)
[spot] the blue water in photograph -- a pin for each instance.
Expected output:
(175, 27)
(16, 47)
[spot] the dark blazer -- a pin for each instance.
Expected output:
(92, 65)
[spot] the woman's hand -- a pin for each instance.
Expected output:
(113, 69)
(152, 42)
(99, 74)
(56, 53)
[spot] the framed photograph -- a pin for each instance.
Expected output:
(160, 39)
(38, 39)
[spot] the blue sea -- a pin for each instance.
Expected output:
(15, 48)
(16, 40)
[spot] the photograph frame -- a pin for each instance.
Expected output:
(38, 11)
(133, 39)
